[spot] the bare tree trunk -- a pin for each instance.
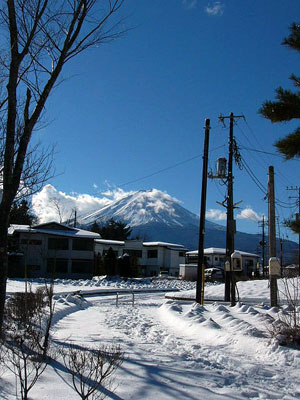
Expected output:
(3, 260)
(43, 36)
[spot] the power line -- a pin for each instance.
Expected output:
(167, 168)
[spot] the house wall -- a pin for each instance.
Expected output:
(167, 259)
(218, 261)
(39, 258)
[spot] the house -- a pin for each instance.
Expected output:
(152, 257)
(51, 250)
(215, 257)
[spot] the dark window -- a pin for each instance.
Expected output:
(152, 254)
(57, 265)
(82, 266)
(249, 263)
(83, 244)
(106, 251)
(35, 242)
(58, 243)
(181, 254)
(133, 253)
(33, 267)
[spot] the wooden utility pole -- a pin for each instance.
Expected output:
(263, 245)
(230, 226)
(297, 217)
(271, 207)
(272, 234)
(200, 269)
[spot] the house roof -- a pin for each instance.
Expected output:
(53, 228)
(112, 242)
(172, 246)
(220, 251)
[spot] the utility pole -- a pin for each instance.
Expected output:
(271, 207)
(272, 234)
(200, 269)
(297, 217)
(263, 245)
(230, 226)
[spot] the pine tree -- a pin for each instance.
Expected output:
(287, 108)
(110, 262)
(287, 105)
(20, 214)
(114, 230)
(95, 228)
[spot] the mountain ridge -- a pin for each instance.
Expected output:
(156, 216)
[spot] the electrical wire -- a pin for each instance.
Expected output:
(168, 168)
(253, 176)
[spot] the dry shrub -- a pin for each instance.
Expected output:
(286, 329)
(92, 369)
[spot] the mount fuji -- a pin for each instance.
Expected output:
(156, 216)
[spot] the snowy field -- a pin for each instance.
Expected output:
(173, 349)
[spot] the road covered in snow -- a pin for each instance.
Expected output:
(174, 349)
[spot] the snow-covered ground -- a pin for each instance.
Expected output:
(173, 349)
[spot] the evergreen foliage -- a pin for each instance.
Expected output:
(112, 230)
(287, 104)
(20, 214)
(286, 108)
(95, 228)
(110, 262)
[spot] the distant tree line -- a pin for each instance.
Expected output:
(112, 230)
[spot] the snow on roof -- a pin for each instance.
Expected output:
(218, 250)
(164, 244)
(72, 232)
(146, 244)
(112, 242)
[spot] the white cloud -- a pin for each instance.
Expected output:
(249, 214)
(189, 4)
(215, 9)
(95, 186)
(215, 214)
(46, 201)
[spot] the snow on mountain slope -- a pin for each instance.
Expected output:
(144, 207)
(156, 216)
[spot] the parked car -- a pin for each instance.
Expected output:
(214, 274)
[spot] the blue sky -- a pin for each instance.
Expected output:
(137, 106)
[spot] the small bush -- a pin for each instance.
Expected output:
(286, 329)
(91, 369)
(28, 318)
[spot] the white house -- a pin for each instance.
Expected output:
(215, 257)
(153, 257)
(53, 249)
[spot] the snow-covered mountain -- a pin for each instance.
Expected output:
(144, 207)
(156, 216)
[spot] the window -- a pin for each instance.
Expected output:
(82, 266)
(58, 243)
(133, 253)
(57, 265)
(83, 244)
(34, 242)
(181, 254)
(106, 251)
(33, 267)
(249, 263)
(152, 254)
